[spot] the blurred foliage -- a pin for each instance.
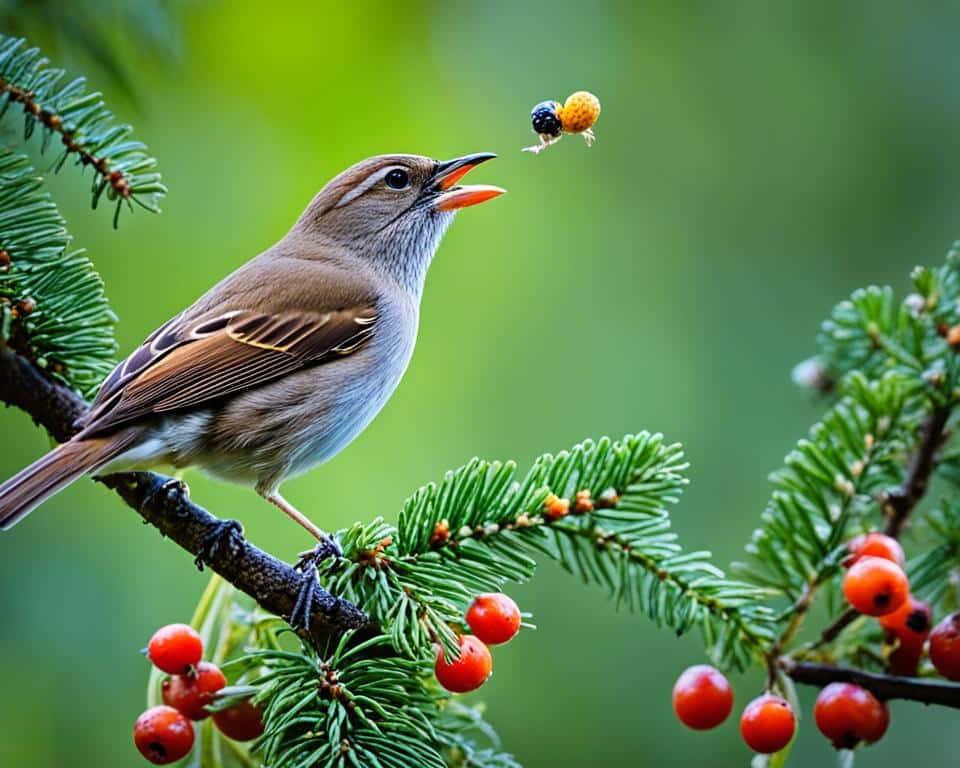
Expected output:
(98, 32)
(754, 162)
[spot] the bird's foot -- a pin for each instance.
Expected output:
(224, 536)
(588, 137)
(327, 547)
(300, 615)
(172, 486)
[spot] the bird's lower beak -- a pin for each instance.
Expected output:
(450, 196)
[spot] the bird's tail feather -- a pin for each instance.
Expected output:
(26, 490)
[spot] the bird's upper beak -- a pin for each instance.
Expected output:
(449, 195)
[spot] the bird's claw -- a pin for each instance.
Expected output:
(300, 614)
(326, 547)
(308, 564)
(170, 487)
(224, 535)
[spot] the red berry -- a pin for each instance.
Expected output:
(908, 626)
(175, 648)
(945, 647)
(875, 545)
(241, 722)
(190, 693)
(767, 724)
(848, 714)
(163, 735)
(494, 618)
(468, 672)
(702, 697)
(875, 586)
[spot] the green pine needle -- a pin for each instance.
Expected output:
(81, 124)
(52, 307)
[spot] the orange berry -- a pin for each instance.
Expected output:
(848, 714)
(953, 336)
(494, 618)
(875, 586)
(241, 722)
(554, 507)
(702, 697)
(163, 735)
(582, 502)
(945, 647)
(175, 649)
(468, 672)
(579, 112)
(875, 544)
(191, 693)
(767, 724)
(909, 626)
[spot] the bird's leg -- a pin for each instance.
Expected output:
(327, 544)
(589, 137)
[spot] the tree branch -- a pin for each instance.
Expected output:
(900, 504)
(883, 686)
(165, 504)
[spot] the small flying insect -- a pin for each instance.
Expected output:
(551, 119)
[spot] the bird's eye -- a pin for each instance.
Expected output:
(398, 179)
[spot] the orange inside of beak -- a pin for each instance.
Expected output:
(454, 176)
(465, 196)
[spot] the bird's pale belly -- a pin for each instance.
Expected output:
(285, 428)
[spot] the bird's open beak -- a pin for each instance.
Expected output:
(450, 196)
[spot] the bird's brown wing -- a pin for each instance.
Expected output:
(184, 364)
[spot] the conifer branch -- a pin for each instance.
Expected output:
(85, 127)
(885, 687)
(52, 306)
(901, 503)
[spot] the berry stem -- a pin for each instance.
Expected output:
(882, 686)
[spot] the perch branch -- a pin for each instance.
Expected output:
(883, 686)
(165, 504)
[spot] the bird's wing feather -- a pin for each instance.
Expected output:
(187, 363)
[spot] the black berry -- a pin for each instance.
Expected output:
(545, 119)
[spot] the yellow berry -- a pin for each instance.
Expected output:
(579, 112)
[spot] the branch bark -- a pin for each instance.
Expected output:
(166, 505)
(883, 686)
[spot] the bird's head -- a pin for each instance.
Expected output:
(392, 210)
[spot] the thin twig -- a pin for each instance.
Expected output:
(901, 503)
(53, 122)
(883, 686)
(166, 505)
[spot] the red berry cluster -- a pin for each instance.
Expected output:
(164, 734)
(494, 619)
(703, 699)
(876, 585)
(848, 715)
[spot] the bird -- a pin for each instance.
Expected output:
(283, 363)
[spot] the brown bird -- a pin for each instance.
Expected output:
(283, 363)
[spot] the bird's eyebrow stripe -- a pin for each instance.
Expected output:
(365, 185)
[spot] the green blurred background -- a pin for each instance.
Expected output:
(755, 162)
